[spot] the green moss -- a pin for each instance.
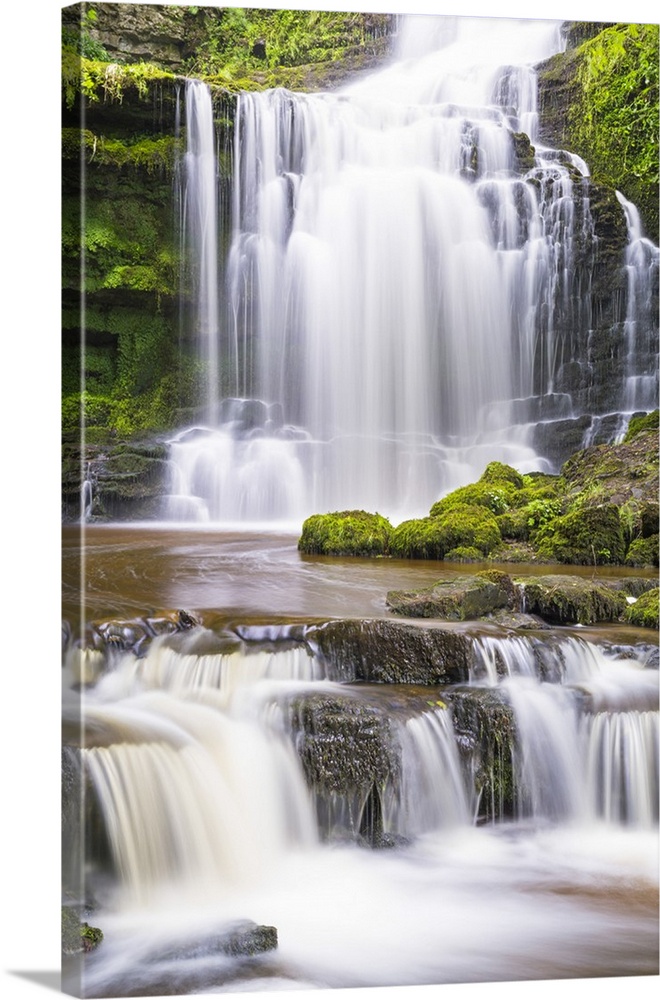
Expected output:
(97, 79)
(464, 554)
(566, 600)
(592, 536)
(78, 936)
(345, 533)
(463, 526)
(643, 552)
(498, 472)
(613, 123)
(644, 611)
(645, 422)
(146, 152)
(495, 496)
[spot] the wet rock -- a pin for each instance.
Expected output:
(644, 612)
(570, 600)
(389, 652)
(485, 736)
(78, 936)
(245, 937)
(351, 759)
(455, 600)
(342, 742)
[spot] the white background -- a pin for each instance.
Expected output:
(30, 511)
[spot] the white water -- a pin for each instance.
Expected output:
(642, 261)
(210, 821)
(399, 296)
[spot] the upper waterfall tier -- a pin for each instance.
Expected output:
(407, 293)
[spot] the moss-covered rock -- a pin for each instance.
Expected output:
(457, 599)
(346, 533)
(78, 936)
(600, 100)
(592, 536)
(643, 552)
(641, 422)
(644, 611)
(459, 525)
(570, 600)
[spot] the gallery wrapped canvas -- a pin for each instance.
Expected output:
(360, 499)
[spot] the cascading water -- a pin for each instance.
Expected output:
(641, 366)
(403, 285)
(198, 754)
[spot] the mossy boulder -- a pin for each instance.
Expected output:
(345, 533)
(460, 599)
(456, 526)
(592, 536)
(643, 552)
(616, 474)
(644, 611)
(641, 422)
(570, 600)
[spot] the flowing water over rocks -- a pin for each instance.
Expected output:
(309, 800)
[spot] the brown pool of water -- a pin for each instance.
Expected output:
(126, 570)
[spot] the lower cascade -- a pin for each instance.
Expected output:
(226, 773)
(407, 290)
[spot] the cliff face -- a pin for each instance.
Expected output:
(139, 33)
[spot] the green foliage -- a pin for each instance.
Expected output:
(614, 122)
(80, 41)
(124, 244)
(496, 497)
(345, 533)
(644, 612)
(95, 79)
(238, 42)
(645, 422)
(139, 152)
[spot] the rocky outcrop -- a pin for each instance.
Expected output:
(390, 652)
(455, 599)
(485, 735)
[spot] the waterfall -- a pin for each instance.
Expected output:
(434, 788)
(230, 779)
(640, 327)
(406, 280)
(200, 226)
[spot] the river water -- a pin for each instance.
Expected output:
(209, 819)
